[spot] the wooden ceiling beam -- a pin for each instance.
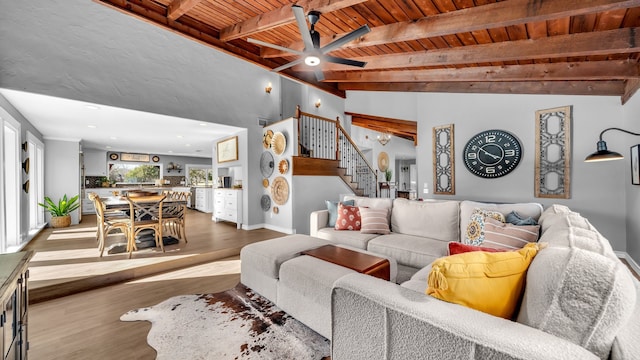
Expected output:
(178, 8)
(402, 128)
(604, 88)
(490, 16)
(281, 16)
(594, 70)
(618, 41)
(631, 86)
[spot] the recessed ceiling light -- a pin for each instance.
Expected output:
(113, 138)
(187, 145)
(179, 136)
(170, 151)
(91, 126)
(108, 147)
(92, 107)
(203, 124)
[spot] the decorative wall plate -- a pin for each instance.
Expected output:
(155, 159)
(265, 183)
(276, 210)
(266, 139)
(383, 161)
(265, 202)
(266, 164)
(113, 156)
(279, 143)
(283, 166)
(280, 190)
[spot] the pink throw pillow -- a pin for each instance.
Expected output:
(348, 218)
(374, 221)
(459, 248)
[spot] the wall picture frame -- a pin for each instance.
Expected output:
(444, 167)
(134, 157)
(227, 149)
(635, 165)
(553, 153)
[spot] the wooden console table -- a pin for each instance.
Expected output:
(14, 298)
(354, 260)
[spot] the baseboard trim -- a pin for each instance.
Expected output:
(279, 229)
(632, 263)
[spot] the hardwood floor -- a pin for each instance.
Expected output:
(67, 260)
(77, 297)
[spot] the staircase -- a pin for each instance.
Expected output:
(325, 149)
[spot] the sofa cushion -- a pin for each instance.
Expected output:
(437, 220)
(525, 210)
(332, 207)
(351, 238)
(408, 250)
(374, 221)
(575, 289)
(374, 203)
(485, 281)
(348, 218)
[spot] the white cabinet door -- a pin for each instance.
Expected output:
(203, 199)
(95, 162)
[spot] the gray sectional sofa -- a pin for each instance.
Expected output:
(580, 301)
(420, 230)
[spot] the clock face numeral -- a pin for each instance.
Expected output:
(492, 153)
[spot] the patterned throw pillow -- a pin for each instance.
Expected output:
(475, 229)
(499, 235)
(348, 218)
(332, 206)
(374, 221)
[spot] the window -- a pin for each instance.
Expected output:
(134, 173)
(10, 239)
(36, 179)
(200, 175)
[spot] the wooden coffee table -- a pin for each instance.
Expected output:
(354, 260)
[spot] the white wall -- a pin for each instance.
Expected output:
(62, 171)
(312, 191)
(597, 190)
(621, 143)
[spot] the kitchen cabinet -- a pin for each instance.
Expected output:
(15, 302)
(203, 199)
(95, 162)
(227, 205)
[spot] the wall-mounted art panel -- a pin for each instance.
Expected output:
(444, 181)
(553, 153)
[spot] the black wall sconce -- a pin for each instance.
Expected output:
(602, 153)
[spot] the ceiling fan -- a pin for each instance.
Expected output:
(313, 54)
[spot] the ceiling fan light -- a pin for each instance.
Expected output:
(312, 60)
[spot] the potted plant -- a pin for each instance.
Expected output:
(387, 175)
(60, 212)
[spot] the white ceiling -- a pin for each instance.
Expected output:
(109, 128)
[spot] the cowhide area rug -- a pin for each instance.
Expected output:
(234, 324)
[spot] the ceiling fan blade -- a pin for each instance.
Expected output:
(345, 39)
(298, 12)
(288, 65)
(274, 46)
(344, 61)
(319, 74)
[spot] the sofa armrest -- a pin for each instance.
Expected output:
(375, 319)
(318, 220)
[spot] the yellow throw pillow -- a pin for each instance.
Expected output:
(485, 281)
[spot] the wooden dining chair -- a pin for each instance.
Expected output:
(145, 213)
(108, 221)
(174, 216)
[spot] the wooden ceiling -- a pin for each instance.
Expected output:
(576, 47)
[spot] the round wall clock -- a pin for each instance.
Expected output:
(492, 153)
